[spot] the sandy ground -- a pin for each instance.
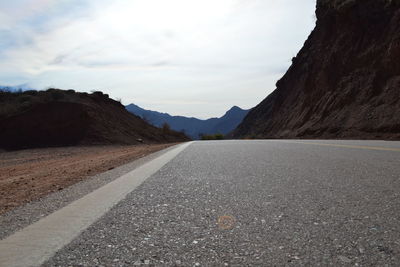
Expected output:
(28, 175)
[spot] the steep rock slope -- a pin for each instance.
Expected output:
(192, 126)
(62, 118)
(345, 81)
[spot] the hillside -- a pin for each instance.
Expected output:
(345, 81)
(63, 118)
(191, 126)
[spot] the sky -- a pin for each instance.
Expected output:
(195, 58)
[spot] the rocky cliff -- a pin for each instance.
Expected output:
(344, 82)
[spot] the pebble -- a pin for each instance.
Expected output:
(344, 259)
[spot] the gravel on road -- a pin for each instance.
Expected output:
(254, 203)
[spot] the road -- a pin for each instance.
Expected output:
(254, 203)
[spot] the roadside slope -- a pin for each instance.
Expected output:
(28, 175)
(345, 81)
(63, 118)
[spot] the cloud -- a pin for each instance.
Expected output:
(163, 51)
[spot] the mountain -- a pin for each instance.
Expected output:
(191, 126)
(62, 118)
(345, 81)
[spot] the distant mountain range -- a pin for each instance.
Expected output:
(192, 127)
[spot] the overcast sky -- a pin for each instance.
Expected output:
(185, 57)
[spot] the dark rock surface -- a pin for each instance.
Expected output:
(345, 81)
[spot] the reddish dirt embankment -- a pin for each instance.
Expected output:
(345, 81)
(28, 175)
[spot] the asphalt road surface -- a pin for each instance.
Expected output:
(255, 203)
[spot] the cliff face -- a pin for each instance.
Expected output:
(345, 81)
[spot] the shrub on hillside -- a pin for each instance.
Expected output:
(166, 128)
(217, 136)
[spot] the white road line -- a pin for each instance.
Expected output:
(38, 242)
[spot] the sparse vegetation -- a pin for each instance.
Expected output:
(102, 95)
(166, 128)
(217, 136)
(56, 94)
(61, 118)
(251, 137)
(16, 101)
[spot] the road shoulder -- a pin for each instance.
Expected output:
(22, 216)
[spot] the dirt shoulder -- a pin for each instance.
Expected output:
(28, 175)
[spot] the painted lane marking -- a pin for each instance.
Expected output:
(38, 242)
(350, 146)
